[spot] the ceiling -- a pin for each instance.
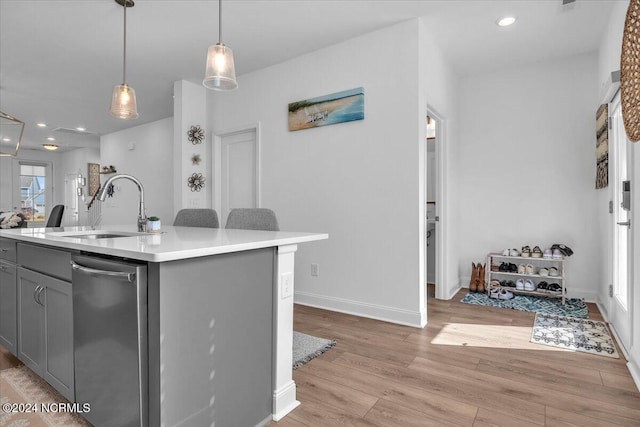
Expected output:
(59, 60)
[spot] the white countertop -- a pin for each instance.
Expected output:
(173, 243)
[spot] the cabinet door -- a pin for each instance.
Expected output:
(30, 321)
(8, 307)
(58, 336)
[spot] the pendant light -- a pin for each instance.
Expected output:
(220, 73)
(123, 101)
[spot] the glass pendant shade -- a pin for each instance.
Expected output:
(123, 102)
(220, 73)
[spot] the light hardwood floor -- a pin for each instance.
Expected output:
(471, 366)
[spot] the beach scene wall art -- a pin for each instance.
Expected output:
(345, 106)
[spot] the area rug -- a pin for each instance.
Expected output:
(306, 348)
(21, 386)
(587, 336)
(574, 307)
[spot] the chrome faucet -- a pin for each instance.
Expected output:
(142, 215)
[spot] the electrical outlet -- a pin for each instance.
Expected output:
(315, 270)
(286, 282)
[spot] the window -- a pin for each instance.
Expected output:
(33, 186)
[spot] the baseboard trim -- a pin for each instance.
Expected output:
(416, 319)
(603, 310)
(453, 294)
(284, 401)
(634, 369)
(624, 351)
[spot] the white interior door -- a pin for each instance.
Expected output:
(70, 217)
(621, 169)
(240, 172)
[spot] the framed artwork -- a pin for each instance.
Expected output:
(93, 172)
(602, 146)
(340, 107)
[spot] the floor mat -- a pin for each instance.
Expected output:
(587, 336)
(574, 307)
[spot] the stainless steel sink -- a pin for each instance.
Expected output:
(99, 236)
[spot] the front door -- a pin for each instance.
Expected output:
(620, 162)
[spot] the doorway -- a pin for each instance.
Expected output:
(620, 307)
(238, 170)
(434, 259)
(71, 195)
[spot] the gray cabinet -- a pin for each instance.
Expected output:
(45, 328)
(8, 306)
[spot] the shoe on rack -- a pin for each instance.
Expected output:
(521, 269)
(529, 269)
(529, 285)
(543, 286)
(520, 285)
(553, 272)
(544, 272)
(554, 287)
(513, 268)
(526, 252)
(514, 252)
(505, 294)
(503, 266)
(509, 283)
(566, 250)
(506, 252)
(548, 253)
(536, 253)
(557, 254)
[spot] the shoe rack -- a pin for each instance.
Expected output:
(494, 260)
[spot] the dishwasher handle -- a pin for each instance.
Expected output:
(94, 272)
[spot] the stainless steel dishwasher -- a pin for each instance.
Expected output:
(110, 340)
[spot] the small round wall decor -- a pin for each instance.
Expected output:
(196, 182)
(195, 135)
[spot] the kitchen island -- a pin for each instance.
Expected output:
(216, 316)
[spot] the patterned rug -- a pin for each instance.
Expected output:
(21, 386)
(574, 307)
(587, 336)
(306, 348)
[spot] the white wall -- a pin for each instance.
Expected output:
(609, 60)
(358, 181)
(527, 165)
(150, 161)
(442, 96)
(190, 108)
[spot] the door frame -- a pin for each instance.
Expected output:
(49, 192)
(217, 164)
(624, 332)
(441, 290)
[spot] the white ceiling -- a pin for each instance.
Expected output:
(60, 59)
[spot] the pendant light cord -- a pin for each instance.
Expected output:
(219, 21)
(124, 50)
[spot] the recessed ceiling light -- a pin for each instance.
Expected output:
(506, 21)
(81, 129)
(51, 138)
(41, 125)
(6, 139)
(50, 147)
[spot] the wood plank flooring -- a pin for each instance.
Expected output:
(471, 366)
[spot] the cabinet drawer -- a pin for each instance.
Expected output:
(8, 249)
(45, 260)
